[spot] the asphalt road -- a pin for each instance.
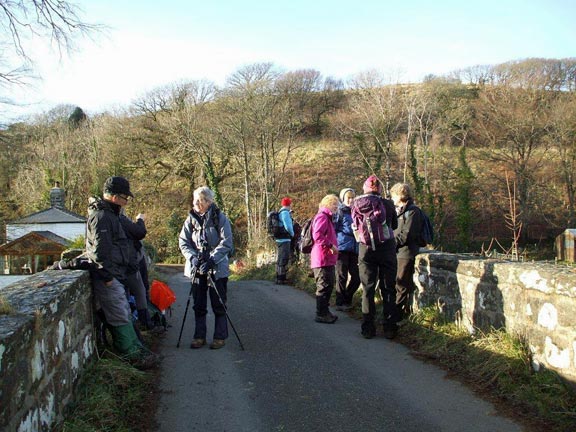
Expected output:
(298, 375)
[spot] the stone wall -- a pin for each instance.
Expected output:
(45, 341)
(536, 301)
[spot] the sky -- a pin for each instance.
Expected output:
(149, 44)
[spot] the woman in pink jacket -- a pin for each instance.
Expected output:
(324, 256)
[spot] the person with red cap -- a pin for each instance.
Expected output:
(283, 243)
(375, 220)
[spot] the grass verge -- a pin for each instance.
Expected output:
(113, 397)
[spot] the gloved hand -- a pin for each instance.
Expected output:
(206, 266)
(195, 263)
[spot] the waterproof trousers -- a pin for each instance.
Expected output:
(378, 269)
(405, 286)
(200, 293)
(348, 277)
(325, 279)
(282, 260)
(112, 301)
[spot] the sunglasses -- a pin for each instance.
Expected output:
(124, 197)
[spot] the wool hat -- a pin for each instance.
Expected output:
(286, 202)
(117, 185)
(344, 191)
(372, 184)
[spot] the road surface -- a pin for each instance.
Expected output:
(299, 375)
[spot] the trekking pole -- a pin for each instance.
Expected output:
(213, 285)
(187, 305)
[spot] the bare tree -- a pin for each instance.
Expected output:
(259, 122)
(562, 136)
(511, 125)
(23, 23)
(374, 120)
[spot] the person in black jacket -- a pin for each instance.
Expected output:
(407, 245)
(377, 259)
(133, 281)
(109, 252)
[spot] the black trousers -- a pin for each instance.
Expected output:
(378, 269)
(200, 293)
(325, 279)
(282, 260)
(347, 264)
(405, 286)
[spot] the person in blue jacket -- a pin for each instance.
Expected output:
(206, 242)
(348, 278)
(283, 243)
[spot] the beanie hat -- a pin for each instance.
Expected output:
(344, 191)
(117, 185)
(286, 202)
(372, 184)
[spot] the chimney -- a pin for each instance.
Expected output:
(57, 196)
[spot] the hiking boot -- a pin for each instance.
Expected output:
(368, 330)
(328, 318)
(217, 344)
(198, 343)
(368, 333)
(390, 332)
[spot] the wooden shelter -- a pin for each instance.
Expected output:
(35, 241)
(33, 252)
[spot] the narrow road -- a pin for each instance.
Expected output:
(298, 375)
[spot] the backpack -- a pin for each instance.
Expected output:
(427, 230)
(161, 295)
(369, 217)
(297, 237)
(275, 227)
(307, 241)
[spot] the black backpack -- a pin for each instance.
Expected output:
(275, 227)
(427, 230)
(307, 241)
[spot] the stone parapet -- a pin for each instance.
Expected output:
(46, 340)
(536, 301)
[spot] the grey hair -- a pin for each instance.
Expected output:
(205, 192)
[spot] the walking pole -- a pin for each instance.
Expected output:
(187, 305)
(213, 285)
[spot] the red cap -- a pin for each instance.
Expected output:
(286, 202)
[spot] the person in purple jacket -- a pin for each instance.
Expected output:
(324, 256)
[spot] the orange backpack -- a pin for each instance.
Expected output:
(161, 295)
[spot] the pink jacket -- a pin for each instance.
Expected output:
(324, 236)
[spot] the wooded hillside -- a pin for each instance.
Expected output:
(490, 151)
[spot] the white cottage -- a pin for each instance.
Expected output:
(35, 241)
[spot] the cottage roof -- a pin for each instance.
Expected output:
(37, 243)
(51, 215)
